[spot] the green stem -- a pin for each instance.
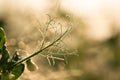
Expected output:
(39, 51)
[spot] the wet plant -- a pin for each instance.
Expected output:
(12, 66)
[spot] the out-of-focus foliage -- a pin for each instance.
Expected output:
(93, 59)
(7, 71)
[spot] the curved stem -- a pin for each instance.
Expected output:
(39, 51)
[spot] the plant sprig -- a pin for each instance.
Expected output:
(42, 49)
(12, 66)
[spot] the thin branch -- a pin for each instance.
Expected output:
(39, 51)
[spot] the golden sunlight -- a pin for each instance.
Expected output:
(98, 14)
(89, 51)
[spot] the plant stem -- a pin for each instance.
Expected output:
(39, 51)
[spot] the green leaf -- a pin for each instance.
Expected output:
(3, 51)
(4, 59)
(2, 38)
(4, 76)
(17, 71)
(7, 76)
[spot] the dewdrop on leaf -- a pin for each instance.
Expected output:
(31, 66)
